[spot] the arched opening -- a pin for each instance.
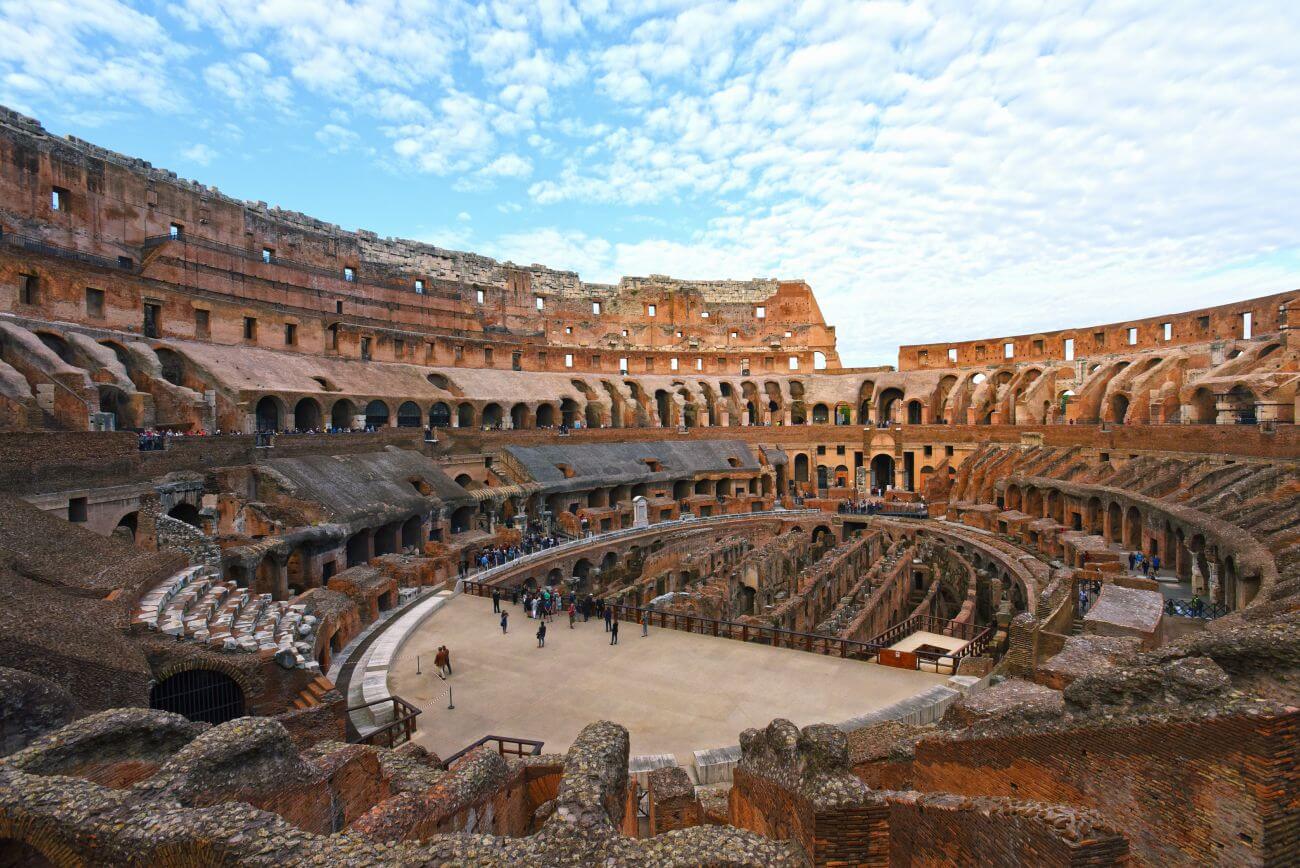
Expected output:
(1241, 402)
(569, 412)
(199, 694)
(1119, 408)
(439, 415)
(127, 525)
(113, 401)
(376, 414)
(267, 414)
(172, 364)
(888, 399)
(411, 535)
(823, 477)
(188, 513)
(1203, 409)
(343, 415)
(519, 416)
(462, 519)
(914, 412)
(801, 468)
(821, 414)
(492, 415)
(882, 472)
(465, 415)
(307, 415)
(409, 415)
(1133, 529)
(663, 408)
(1115, 520)
(358, 548)
(751, 412)
(545, 416)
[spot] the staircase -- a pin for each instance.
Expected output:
(313, 694)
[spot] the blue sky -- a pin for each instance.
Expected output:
(936, 170)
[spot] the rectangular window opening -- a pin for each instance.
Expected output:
(1132, 336)
(29, 289)
(568, 360)
(350, 274)
(94, 302)
(595, 308)
(760, 312)
(1069, 349)
(290, 334)
(1247, 325)
(250, 328)
(58, 199)
(419, 287)
(152, 319)
(176, 230)
(1167, 329)
(202, 323)
(268, 255)
(1009, 350)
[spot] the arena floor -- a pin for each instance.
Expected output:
(675, 692)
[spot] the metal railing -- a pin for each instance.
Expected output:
(814, 643)
(1188, 609)
(490, 573)
(506, 746)
(400, 729)
(294, 264)
(36, 245)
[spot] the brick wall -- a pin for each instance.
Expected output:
(1209, 790)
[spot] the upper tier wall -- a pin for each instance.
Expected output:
(1268, 315)
(179, 237)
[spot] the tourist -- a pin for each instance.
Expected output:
(573, 615)
(541, 635)
(613, 632)
(504, 616)
(496, 600)
(1083, 600)
(1155, 563)
(609, 616)
(645, 623)
(1132, 561)
(440, 662)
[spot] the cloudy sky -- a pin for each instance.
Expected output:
(936, 170)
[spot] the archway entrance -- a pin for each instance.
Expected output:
(342, 415)
(439, 415)
(882, 471)
(268, 414)
(199, 694)
(306, 415)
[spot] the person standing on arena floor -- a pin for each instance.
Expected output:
(541, 635)
(504, 616)
(613, 631)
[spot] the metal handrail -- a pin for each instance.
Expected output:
(297, 265)
(517, 747)
(611, 536)
(404, 715)
(37, 245)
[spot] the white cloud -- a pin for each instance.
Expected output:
(247, 80)
(337, 139)
(509, 166)
(81, 55)
(200, 153)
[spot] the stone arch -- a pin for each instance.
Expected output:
(114, 402)
(269, 413)
(465, 415)
(821, 414)
(409, 415)
(885, 406)
(307, 415)
(343, 415)
(545, 415)
(376, 414)
(1133, 529)
(188, 513)
(882, 471)
(568, 412)
(203, 693)
(519, 416)
(439, 415)
(801, 467)
(1115, 521)
(1203, 408)
(492, 415)
(1119, 407)
(914, 411)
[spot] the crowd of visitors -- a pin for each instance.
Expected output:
(495, 556)
(544, 604)
(155, 441)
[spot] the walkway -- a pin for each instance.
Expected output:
(676, 692)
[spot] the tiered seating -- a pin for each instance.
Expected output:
(197, 605)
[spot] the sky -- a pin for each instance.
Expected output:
(937, 171)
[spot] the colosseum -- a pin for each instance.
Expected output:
(315, 546)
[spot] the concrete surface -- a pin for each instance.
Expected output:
(675, 692)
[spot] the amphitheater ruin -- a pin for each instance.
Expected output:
(1027, 600)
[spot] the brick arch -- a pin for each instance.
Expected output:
(235, 674)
